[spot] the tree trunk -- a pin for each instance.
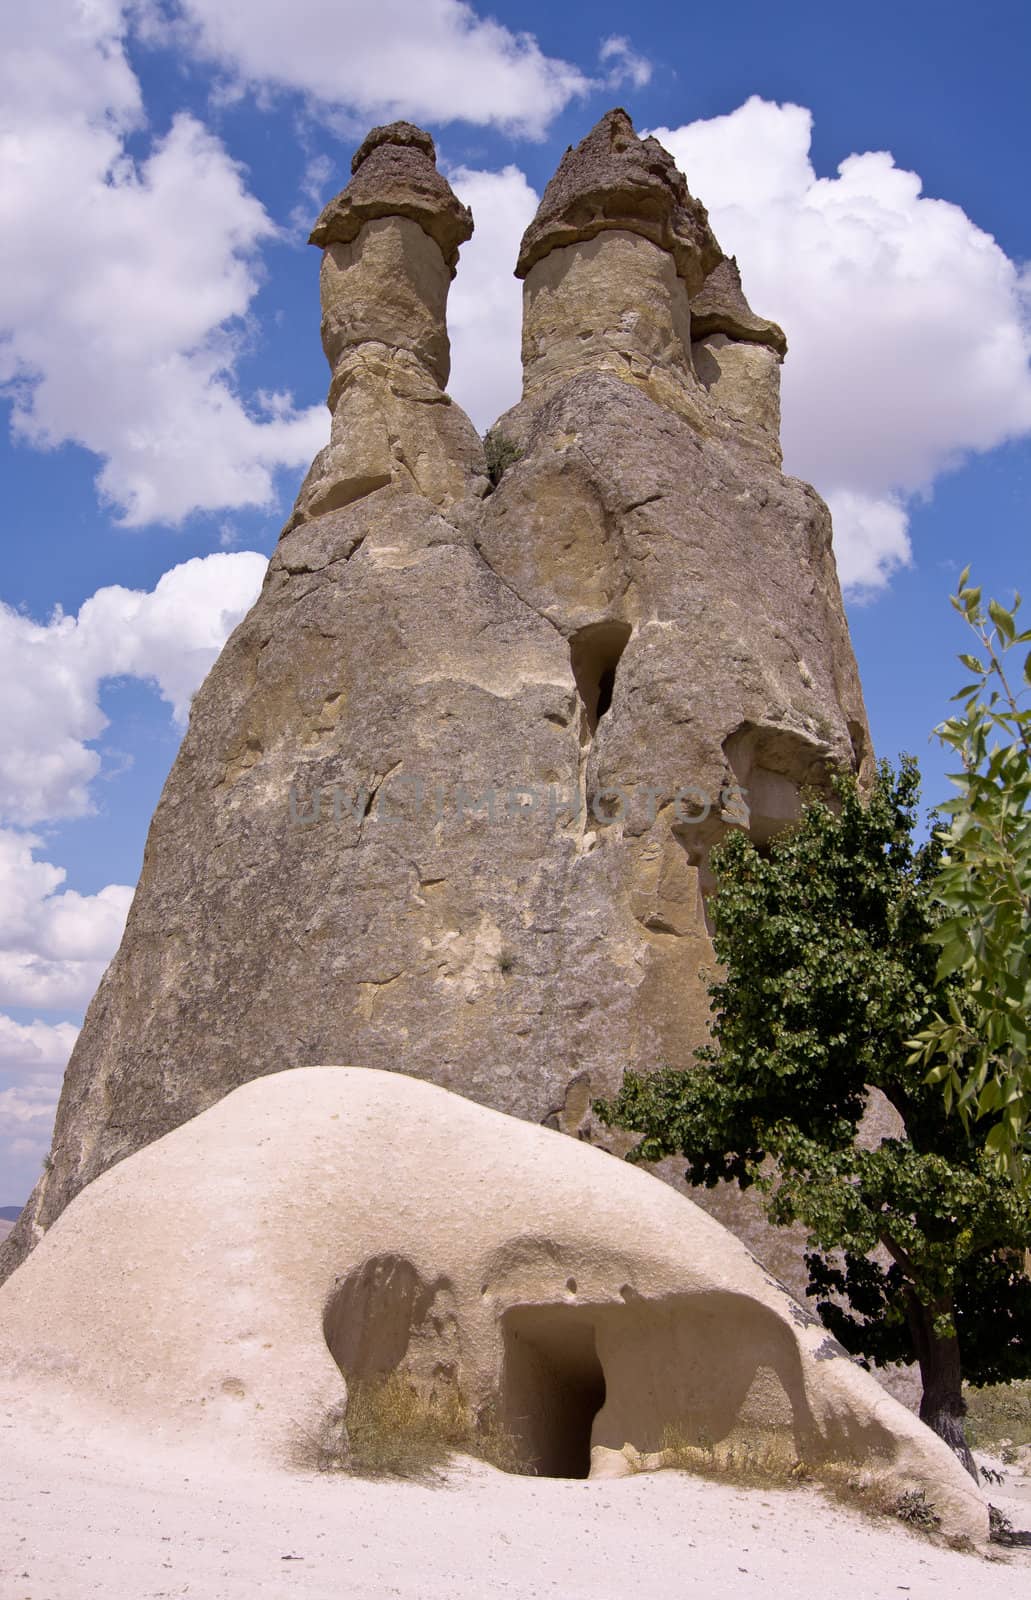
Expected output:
(942, 1405)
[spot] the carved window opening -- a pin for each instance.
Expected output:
(774, 768)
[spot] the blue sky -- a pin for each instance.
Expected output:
(161, 379)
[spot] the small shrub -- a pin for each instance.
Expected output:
(488, 1441)
(326, 1450)
(501, 454)
(393, 1431)
(912, 1507)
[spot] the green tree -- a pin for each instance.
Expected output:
(914, 1243)
(979, 1050)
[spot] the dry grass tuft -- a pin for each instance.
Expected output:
(392, 1430)
(741, 1461)
(751, 1464)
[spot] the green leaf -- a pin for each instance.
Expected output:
(1003, 620)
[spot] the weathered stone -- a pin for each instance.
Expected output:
(743, 379)
(613, 179)
(721, 307)
(395, 175)
(390, 242)
(737, 356)
(614, 304)
(446, 799)
(225, 1285)
(404, 134)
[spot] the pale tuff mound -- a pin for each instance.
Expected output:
(447, 796)
(335, 1222)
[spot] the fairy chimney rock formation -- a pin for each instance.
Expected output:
(446, 799)
(390, 245)
(614, 180)
(616, 248)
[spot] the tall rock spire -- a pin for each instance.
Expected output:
(446, 798)
(614, 180)
(390, 244)
(624, 275)
(609, 261)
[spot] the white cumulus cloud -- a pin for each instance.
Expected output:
(625, 64)
(54, 942)
(53, 671)
(32, 1061)
(871, 538)
(908, 328)
(123, 281)
(430, 60)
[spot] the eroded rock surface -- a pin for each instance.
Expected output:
(327, 1225)
(613, 179)
(446, 797)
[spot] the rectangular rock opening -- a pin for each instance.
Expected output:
(553, 1387)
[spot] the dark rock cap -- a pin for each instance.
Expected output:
(405, 134)
(613, 179)
(395, 175)
(721, 307)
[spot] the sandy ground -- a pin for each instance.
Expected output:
(95, 1511)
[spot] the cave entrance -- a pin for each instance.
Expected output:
(594, 652)
(553, 1387)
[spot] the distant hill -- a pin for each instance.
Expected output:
(10, 1213)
